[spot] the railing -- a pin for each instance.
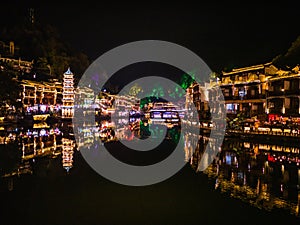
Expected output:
(267, 131)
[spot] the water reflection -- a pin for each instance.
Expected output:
(43, 141)
(68, 146)
(24, 147)
(264, 175)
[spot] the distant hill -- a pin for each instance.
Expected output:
(43, 44)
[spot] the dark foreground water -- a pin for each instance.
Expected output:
(83, 197)
(240, 187)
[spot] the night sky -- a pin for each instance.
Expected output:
(224, 36)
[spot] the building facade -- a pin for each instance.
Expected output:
(283, 95)
(261, 91)
(197, 96)
(244, 90)
(41, 96)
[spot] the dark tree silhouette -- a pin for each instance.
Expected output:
(291, 58)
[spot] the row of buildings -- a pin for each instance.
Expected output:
(262, 91)
(56, 96)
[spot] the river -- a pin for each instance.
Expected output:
(45, 179)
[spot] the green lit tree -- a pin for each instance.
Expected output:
(237, 122)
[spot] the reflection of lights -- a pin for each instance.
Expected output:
(232, 177)
(156, 115)
(131, 119)
(259, 196)
(57, 131)
(157, 120)
(170, 125)
(43, 132)
(217, 183)
(43, 108)
(35, 134)
(167, 115)
(228, 159)
(67, 153)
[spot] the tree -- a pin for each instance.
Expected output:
(186, 80)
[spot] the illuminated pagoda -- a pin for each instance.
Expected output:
(67, 153)
(68, 95)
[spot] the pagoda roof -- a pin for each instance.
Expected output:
(69, 72)
(246, 69)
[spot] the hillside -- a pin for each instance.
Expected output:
(43, 44)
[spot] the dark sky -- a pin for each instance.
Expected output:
(227, 35)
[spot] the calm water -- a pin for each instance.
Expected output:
(45, 180)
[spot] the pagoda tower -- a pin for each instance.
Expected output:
(68, 95)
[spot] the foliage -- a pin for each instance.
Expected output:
(186, 80)
(237, 122)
